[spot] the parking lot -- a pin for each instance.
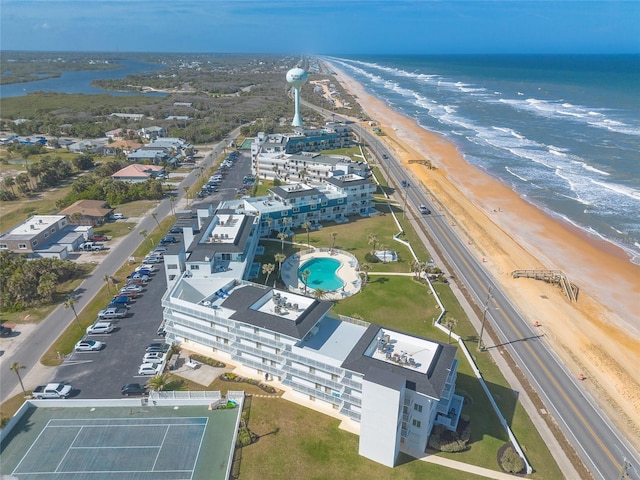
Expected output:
(101, 374)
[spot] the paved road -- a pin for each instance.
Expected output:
(39, 340)
(596, 439)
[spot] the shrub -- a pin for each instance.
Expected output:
(445, 440)
(509, 460)
(371, 258)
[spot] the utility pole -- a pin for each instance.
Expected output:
(405, 185)
(484, 318)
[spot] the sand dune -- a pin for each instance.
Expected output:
(600, 334)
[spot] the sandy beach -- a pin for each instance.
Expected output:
(599, 335)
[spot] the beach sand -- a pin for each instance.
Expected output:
(599, 336)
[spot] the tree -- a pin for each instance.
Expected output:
(373, 241)
(9, 182)
(159, 382)
(269, 221)
(16, 367)
(416, 267)
(282, 237)
(365, 267)
(144, 234)
(305, 276)
(286, 221)
(307, 227)
(70, 303)
(186, 194)
(75, 218)
(333, 236)
(106, 279)
(47, 286)
(320, 293)
(450, 323)
(268, 269)
(155, 217)
(280, 257)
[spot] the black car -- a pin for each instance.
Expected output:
(133, 389)
(175, 230)
(168, 239)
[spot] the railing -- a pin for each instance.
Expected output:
(355, 321)
(258, 338)
(551, 276)
(256, 351)
(351, 399)
(327, 397)
(312, 363)
(313, 378)
(350, 413)
(349, 382)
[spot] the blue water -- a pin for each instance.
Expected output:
(322, 273)
(80, 81)
(561, 131)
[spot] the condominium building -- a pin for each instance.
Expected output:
(393, 385)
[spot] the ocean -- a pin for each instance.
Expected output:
(561, 131)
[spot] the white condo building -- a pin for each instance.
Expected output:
(395, 386)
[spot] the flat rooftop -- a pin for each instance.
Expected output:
(332, 338)
(396, 348)
(283, 304)
(35, 224)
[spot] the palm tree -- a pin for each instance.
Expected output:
(144, 234)
(9, 182)
(450, 323)
(307, 227)
(70, 303)
(268, 269)
(333, 236)
(373, 241)
(320, 293)
(106, 279)
(159, 382)
(305, 276)
(172, 200)
(286, 221)
(365, 267)
(155, 217)
(416, 267)
(15, 366)
(186, 194)
(282, 237)
(47, 285)
(280, 257)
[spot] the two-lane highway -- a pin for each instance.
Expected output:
(593, 435)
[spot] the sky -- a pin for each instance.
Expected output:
(331, 27)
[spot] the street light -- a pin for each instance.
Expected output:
(484, 317)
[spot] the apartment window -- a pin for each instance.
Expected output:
(296, 209)
(46, 234)
(194, 267)
(22, 246)
(312, 370)
(417, 407)
(313, 206)
(276, 336)
(256, 330)
(324, 203)
(258, 345)
(225, 341)
(416, 423)
(3, 246)
(34, 242)
(53, 230)
(334, 377)
(172, 266)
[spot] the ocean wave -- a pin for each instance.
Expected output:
(515, 174)
(623, 190)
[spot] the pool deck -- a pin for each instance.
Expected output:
(347, 272)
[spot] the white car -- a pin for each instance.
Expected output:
(149, 369)
(88, 346)
(146, 266)
(424, 210)
(150, 259)
(131, 288)
(100, 328)
(153, 357)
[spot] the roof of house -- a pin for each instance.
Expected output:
(88, 208)
(138, 171)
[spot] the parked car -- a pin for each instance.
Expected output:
(168, 239)
(153, 357)
(113, 312)
(134, 281)
(149, 259)
(100, 328)
(52, 390)
(161, 332)
(98, 238)
(131, 288)
(121, 300)
(5, 331)
(146, 266)
(88, 346)
(175, 230)
(424, 210)
(160, 249)
(157, 347)
(143, 272)
(118, 216)
(128, 293)
(149, 369)
(133, 389)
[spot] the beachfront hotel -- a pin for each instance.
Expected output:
(391, 386)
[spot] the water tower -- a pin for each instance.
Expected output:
(297, 77)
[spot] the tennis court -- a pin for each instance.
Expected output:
(140, 446)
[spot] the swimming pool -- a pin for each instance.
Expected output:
(322, 274)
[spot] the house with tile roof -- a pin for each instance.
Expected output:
(138, 173)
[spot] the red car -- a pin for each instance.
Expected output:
(98, 238)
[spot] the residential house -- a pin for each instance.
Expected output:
(88, 212)
(138, 173)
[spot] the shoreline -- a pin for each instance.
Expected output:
(600, 334)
